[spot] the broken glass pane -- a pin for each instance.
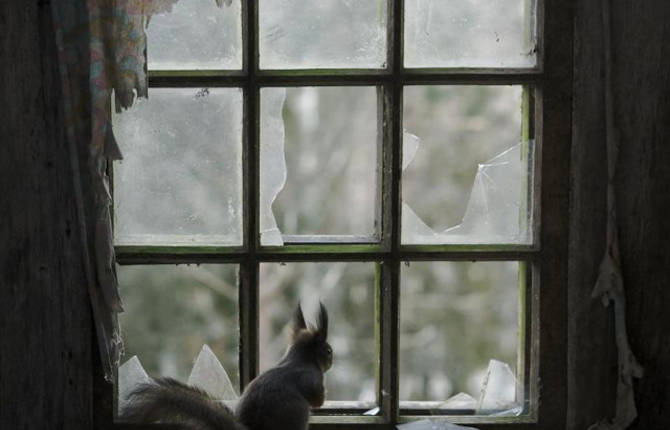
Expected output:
(470, 33)
(181, 179)
(301, 34)
(455, 317)
(348, 292)
(172, 311)
(467, 176)
(318, 163)
(196, 34)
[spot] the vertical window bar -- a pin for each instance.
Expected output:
(391, 288)
(248, 314)
(248, 279)
(388, 324)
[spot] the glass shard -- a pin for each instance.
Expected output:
(181, 180)
(272, 162)
(472, 33)
(499, 391)
(304, 34)
(209, 375)
(318, 163)
(131, 375)
(196, 35)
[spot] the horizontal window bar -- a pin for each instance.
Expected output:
(177, 249)
(158, 257)
(195, 80)
(218, 74)
(302, 73)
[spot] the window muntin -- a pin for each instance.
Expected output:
(389, 253)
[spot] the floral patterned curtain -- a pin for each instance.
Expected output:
(101, 50)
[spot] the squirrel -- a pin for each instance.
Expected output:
(278, 399)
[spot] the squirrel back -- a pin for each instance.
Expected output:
(278, 399)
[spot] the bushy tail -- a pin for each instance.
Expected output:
(168, 401)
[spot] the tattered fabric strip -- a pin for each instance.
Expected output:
(609, 286)
(101, 49)
(72, 39)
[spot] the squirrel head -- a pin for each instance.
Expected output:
(309, 342)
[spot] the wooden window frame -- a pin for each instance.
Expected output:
(551, 92)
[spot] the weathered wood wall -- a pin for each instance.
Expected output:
(641, 78)
(45, 322)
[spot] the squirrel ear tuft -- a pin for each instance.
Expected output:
(322, 324)
(298, 323)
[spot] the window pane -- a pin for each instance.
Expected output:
(454, 319)
(196, 34)
(470, 33)
(297, 34)
(318, 162)
(181, 179)
(467, 166)
(347, 291)
(170, 312)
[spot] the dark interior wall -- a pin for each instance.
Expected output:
(592, 362)
(45, 327)
(641, 82)
(45, 323)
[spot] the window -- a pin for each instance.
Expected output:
(401, 160)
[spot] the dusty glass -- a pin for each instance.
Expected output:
(470, 33)
(195, 34)
(180, 182)
(302, 34)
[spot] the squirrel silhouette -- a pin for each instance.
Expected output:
(278, 399)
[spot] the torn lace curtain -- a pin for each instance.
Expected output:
(102, 49)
